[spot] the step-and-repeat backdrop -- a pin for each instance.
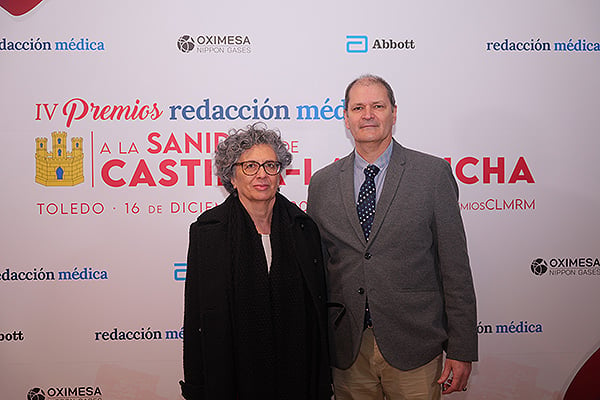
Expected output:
(110, 113)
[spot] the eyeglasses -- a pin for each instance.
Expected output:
(251, 168)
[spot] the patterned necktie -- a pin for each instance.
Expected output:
(366, 200)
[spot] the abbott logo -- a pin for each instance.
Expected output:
(179, 271)
(357, 44)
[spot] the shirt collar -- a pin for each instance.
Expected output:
(382, 161)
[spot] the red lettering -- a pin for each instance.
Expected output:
(190, 164)
(106, 173)
(76, 109)
(142, 174)
(104, 113)
(488, 170)
(151, 138)
(207, 172)
(307, 170)
(460, 173)
(70, 110)
(48, 112)
(172, 144)
(169, 174)
(521, 172)
(197, 144)
(145, 111)
(105, 148)
(218, 137)
(163, 167)
(132, 149)
(190, 143)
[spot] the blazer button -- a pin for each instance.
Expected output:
(367, 256)
(361, 291)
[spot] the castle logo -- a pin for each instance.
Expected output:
(59, 167)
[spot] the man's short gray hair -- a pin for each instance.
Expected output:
(369, 78)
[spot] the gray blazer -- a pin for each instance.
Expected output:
(414, 269)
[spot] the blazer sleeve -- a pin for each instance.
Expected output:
(315, 195)
(455, 270)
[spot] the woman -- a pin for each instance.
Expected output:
(255, 323)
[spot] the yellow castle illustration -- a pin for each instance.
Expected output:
(59, 167)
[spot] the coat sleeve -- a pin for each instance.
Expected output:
(455, 271)
(193, 368)
(308, 243)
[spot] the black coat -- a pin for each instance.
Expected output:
(208, 358)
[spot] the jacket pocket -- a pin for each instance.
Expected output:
(335, 311)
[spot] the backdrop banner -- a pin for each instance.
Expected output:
(110, 113)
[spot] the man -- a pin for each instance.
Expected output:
(400, 286)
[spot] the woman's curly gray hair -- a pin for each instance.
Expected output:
(239, 140)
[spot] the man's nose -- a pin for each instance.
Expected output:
(367, 113)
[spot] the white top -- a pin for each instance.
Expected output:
(266, 241)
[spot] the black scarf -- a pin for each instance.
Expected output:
(271, 312)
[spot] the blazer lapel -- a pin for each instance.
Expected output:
(347, 188)
(393, 176)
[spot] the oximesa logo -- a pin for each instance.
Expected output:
(66, 393)
(539, 266)
(36, 394)
(215, 44)
(186, 43)
(19, 7)
(588, 267)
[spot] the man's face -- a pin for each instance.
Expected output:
(370, 116)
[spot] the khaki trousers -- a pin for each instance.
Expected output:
(372, 378)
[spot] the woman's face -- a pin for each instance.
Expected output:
(261, 187)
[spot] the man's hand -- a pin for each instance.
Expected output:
(457, 382)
